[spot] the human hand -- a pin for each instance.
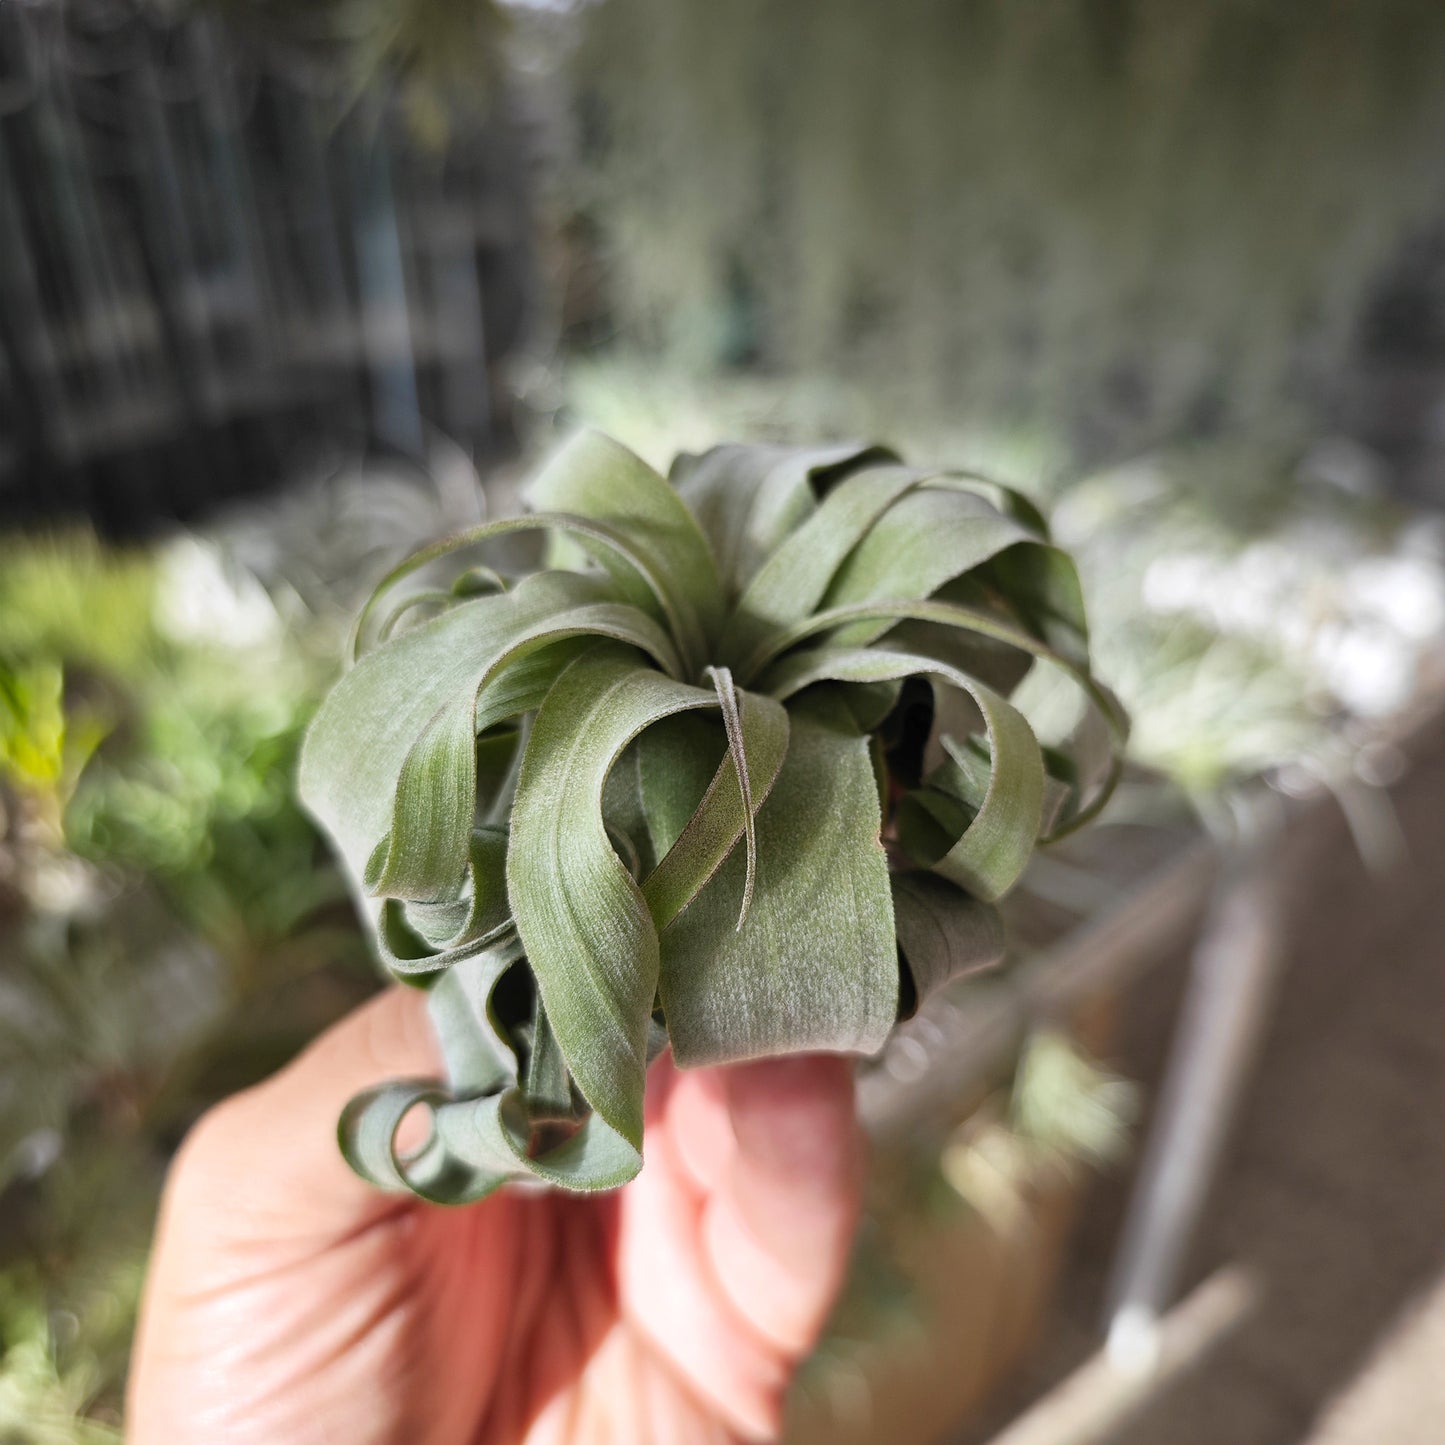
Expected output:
(289, 1303)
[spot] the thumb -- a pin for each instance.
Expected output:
(265, 1163)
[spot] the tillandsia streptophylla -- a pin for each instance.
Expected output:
(745, 771)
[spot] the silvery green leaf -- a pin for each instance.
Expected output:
(793, 581)
(696, 850)
(595, 477)
(476, 1145)
(635, 572)
(925, 539)
(748, 498)
(675, 762)
(367, 1132)
(360, 738)
(586, 927)
(985, 624)
(548, 1089)
(815, 966)
(479, 1046)
(491, 1138)
(490, 646)
(481, 909)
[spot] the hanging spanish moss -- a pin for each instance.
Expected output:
(1124, 219)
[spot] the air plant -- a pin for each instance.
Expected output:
(745, 771)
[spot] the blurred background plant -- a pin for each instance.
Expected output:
(1261, 607)
(173, 928)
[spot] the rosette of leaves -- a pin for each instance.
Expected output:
(745, 771)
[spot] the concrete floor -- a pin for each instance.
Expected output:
(1331, 1205)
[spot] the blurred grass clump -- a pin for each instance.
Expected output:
(171, 928)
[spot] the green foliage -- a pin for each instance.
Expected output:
(42, 1397)
(64, 607)
(203, 806)
(165, 929)
(67, 1311)
(32, 727)
(70, 599)
(768, 720)
(1067, 1106)
(196, 713)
